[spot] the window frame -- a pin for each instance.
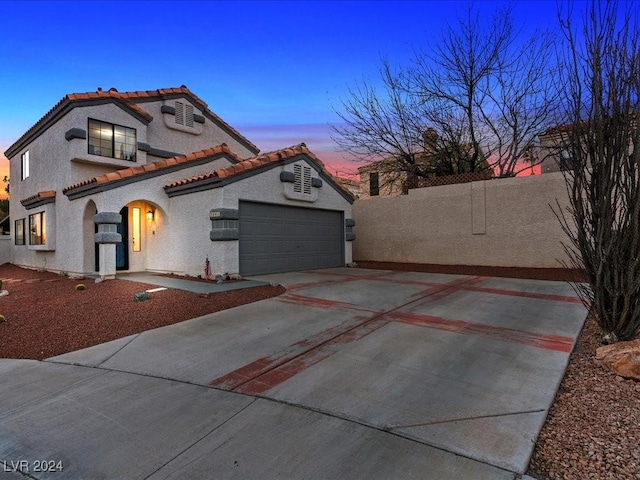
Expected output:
(24, 165)
(91, 147)
(374, 187)
(19, 236)
(34, 238)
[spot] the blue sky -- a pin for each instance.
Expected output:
(273, 70)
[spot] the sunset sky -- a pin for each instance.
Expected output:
(275, 71)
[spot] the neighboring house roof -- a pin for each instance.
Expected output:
(251, 166)
(140, 172)
(40, 198)
(125, 100)
(395, 164)
(347, 181)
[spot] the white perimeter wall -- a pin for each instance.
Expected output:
(5, 249)
(503, 222)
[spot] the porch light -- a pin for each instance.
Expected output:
(150, 215)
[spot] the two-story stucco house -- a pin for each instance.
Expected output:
(154, 180)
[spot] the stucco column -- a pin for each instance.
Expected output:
(106, 238)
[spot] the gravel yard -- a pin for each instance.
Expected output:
(46, 316)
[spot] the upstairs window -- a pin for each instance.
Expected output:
(184, 114)
(374, 185)
(302, 183)
(24, 162)
(566, 160)
(114, 141)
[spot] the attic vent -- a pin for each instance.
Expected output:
(302, 183)
(180, 113)
(188, 115)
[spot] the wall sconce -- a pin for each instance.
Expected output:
(150, 215)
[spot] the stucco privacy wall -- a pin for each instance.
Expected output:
(502, 222)
(265, 187)
(5, 249)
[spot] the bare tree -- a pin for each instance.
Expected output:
(484, 93)
(601, 82)
(382, 124)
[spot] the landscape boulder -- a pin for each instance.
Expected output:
(622, 358)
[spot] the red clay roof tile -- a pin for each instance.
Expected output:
(258, 161)
(39, 196)
(183, 90)
(142, 169)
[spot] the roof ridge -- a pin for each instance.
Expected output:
(183, 89)
(74, 97)
(128, 99)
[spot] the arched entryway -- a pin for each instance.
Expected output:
(142, 236)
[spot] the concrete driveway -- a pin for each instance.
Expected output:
(351, 373)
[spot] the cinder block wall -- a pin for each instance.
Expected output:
(504, 222)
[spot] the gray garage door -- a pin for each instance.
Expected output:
(275, 238)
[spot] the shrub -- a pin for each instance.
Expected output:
(80, 287)
(2, 319)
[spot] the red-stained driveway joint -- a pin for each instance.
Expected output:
(265, 373)
(515, 293)
(548, 342)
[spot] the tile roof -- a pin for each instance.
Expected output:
(256, 162)
(40, 198)
(128, 101)
(183, 90)
(67, 102)
(152, 167)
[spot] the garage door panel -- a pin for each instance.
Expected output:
(277, 238)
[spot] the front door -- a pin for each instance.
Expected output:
(122, 247)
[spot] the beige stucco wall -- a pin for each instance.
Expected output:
(501, 222)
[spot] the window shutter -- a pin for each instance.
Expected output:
(179, 113)
(188, 115)
(297, 184)
(307, 180)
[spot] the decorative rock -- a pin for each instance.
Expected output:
(622, 358)
(235, 276)
(3, 293)
(140, 296)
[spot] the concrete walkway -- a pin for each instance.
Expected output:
(194, 286)
(351, 373)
